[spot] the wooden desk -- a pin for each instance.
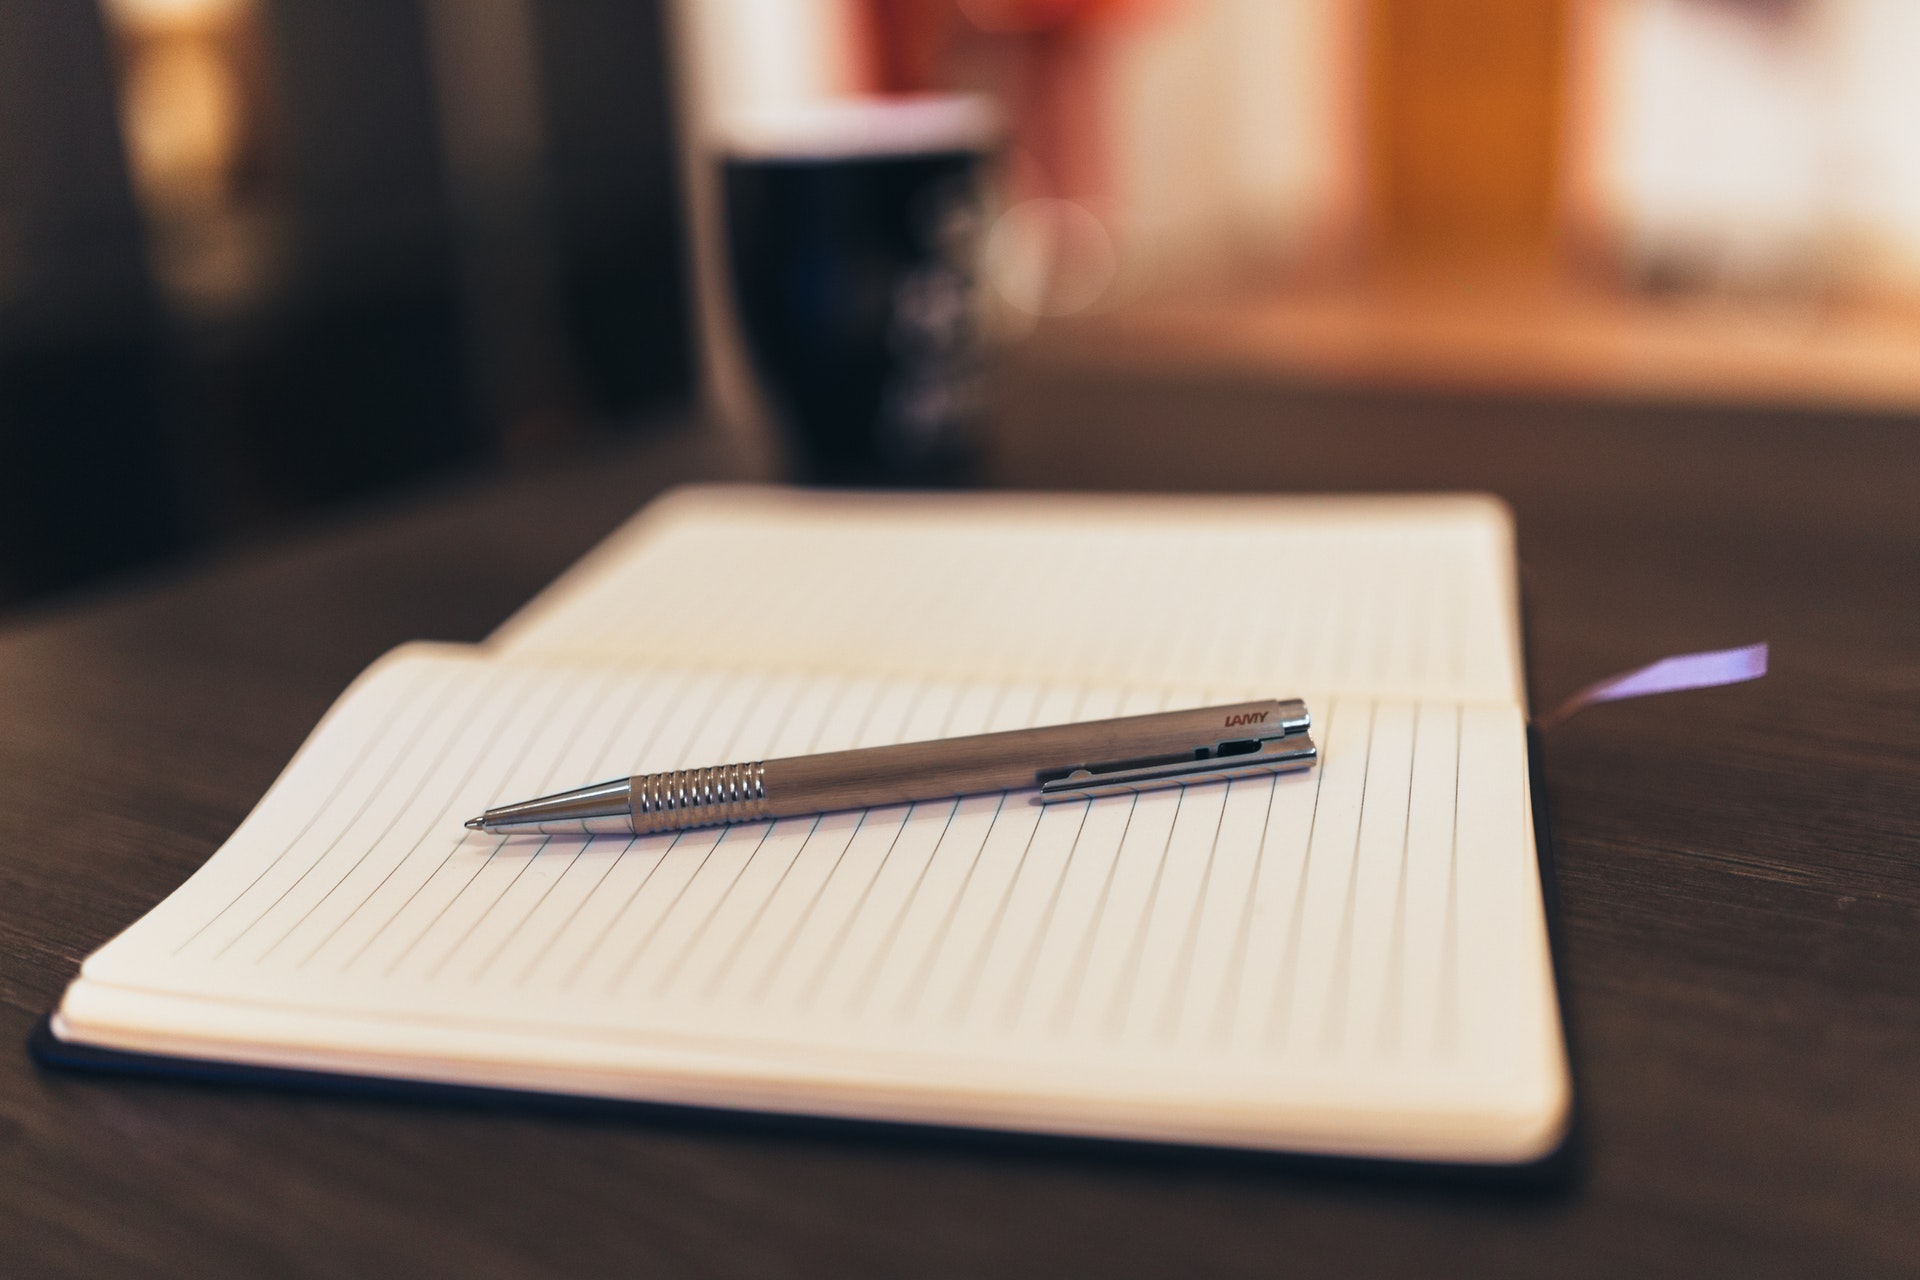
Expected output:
(1739, 877)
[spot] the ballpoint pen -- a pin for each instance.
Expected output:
(1064, 762)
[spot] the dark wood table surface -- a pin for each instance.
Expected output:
(1738, 873)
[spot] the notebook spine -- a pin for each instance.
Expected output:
(699, 797)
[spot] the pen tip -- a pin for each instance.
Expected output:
(476, 824)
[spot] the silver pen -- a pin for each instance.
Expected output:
(1065, 762)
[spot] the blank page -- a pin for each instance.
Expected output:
(1352, 959)
(1411, 596)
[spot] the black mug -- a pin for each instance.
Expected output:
(852, 234)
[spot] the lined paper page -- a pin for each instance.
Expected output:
(1367, 935)
(1406, 596)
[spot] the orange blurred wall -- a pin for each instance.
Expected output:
(1464, 103)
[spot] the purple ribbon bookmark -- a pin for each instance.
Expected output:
(1669, 675)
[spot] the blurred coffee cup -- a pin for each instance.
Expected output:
(853, 229)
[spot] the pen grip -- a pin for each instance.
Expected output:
(677, 799)
(680, 798)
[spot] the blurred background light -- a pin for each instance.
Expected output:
(275, 254)
(1050, 257)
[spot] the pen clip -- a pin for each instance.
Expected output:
(1272, 755)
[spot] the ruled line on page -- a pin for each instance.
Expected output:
(639, 860)
(440, 820)
(1174, 999)
(671, 693)
(1007, 1006)
(1392, 997)
(780, 701)
(1122, 997)
(345, 917)
(1336, 1005)
(554, 779)
(915, 988)
(1090, 935)
(377, 794)
(326, 803)
(990, 935)
(526, 742)
(696, 839)
(699, 932)
(821, 970)
(516, 783)
(663, 919)
(1446, 1025)
(773, 965)
(733, 938)
(1227, 1003)
(883, 954)
(849, 732)
(1280, 996)
(565, 882)
(611, 754)
(744, 738)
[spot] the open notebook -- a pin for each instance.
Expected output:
(1351, 960)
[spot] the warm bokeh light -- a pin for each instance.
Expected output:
(181, 15)
(1050, 257)
(191, 107)
(182, 122)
